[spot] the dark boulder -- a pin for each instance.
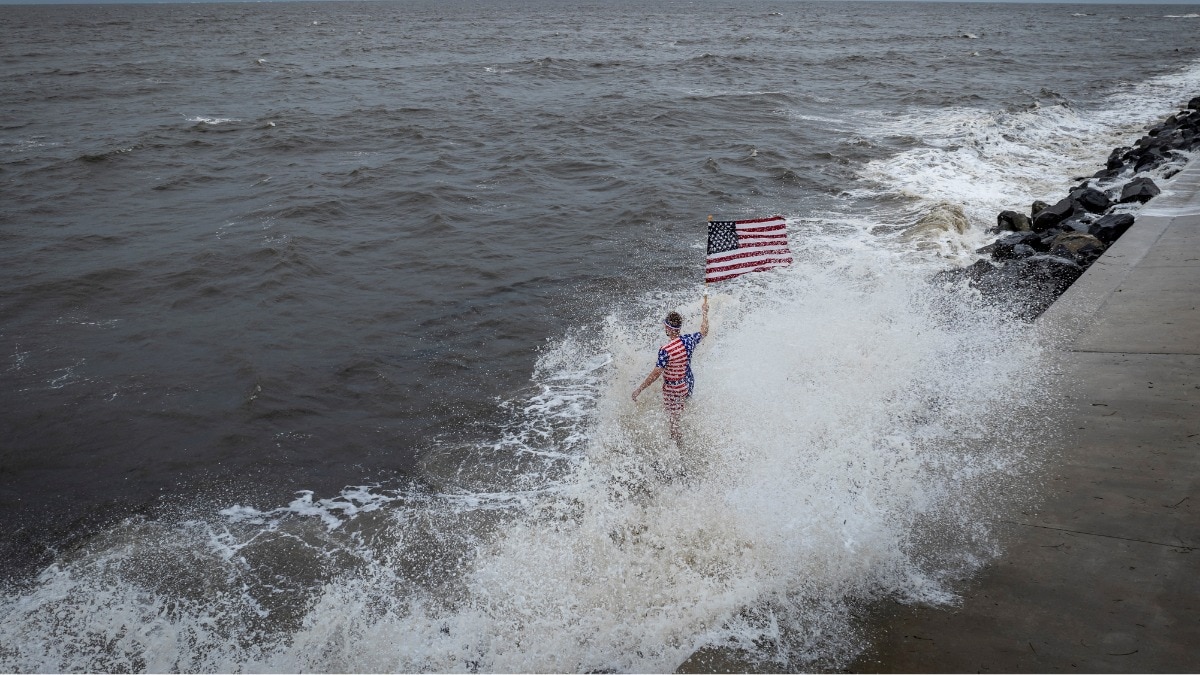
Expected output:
(1194, 104)
(1078, 222)
(976, 271)
(1080, 247)
(1004, 248)
(1045, 239)
(1109, 228)
(1013, 221)
(1092, 200)
(1150, 159)
(1148, 141)
(1138, 190)
(972, 274)
(1116, 159)
(1028, 286)
(1053, 215)
(990, 249)
(1023, 251)
(1036, 208)
(1170, 138)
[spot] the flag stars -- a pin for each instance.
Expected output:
(722, 236)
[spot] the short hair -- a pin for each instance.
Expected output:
(674, 320)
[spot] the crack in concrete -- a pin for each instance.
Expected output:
(1183, 547)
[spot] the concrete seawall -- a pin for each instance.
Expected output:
(1105, 577)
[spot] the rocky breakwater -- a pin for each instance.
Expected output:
(1039, 254)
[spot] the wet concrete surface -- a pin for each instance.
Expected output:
(1105, 575)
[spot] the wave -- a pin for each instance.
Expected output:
(211, 121)
(107, 154)
(987, 161)
(847, 442)
(854, 433)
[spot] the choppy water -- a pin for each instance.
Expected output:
(251, 255)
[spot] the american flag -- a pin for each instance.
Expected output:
(736, 247)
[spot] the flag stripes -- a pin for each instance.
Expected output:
(741, 246)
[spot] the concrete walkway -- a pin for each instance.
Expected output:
(1105, 577)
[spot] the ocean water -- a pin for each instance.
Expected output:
(318, 322)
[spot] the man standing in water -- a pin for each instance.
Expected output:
(675, 366)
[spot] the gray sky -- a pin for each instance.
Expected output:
(1193, 3)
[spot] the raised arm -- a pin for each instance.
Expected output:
(704, 317)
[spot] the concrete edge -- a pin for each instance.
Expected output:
(1075, 310)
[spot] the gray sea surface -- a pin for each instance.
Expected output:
(251, 250)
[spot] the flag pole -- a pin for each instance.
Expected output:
(706, 273)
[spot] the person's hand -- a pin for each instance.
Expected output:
(635, 394)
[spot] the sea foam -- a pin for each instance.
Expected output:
(850, 439)
(855, 433)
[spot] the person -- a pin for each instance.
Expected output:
(674, 365)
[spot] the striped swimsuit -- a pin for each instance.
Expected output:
(675, 358)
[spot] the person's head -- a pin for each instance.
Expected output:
(673, 323)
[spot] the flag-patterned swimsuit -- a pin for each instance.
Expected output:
(675, 358)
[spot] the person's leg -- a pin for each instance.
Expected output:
(674, 406)
(676, 434)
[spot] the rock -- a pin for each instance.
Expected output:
(1004, 248)
(1150, 159)
(1053, 215)
(1139, 190)
(1116, 158)
(1147, 141)
(1092, 200)
(973, 273)
(1013, 221)
(1080, 247)
(1046, 238)
(1109, 228)
(1028, 286)
(1170, 138)
(1023, 251)
(1078, 222)
(1043, 253)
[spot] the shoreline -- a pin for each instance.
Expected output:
(1039, 255)
(1102, 576)
(1067, 592)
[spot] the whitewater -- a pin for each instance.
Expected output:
(856, 433)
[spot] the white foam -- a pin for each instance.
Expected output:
(987, 161)
(853, 434)
(841, 404)
(212, 120)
